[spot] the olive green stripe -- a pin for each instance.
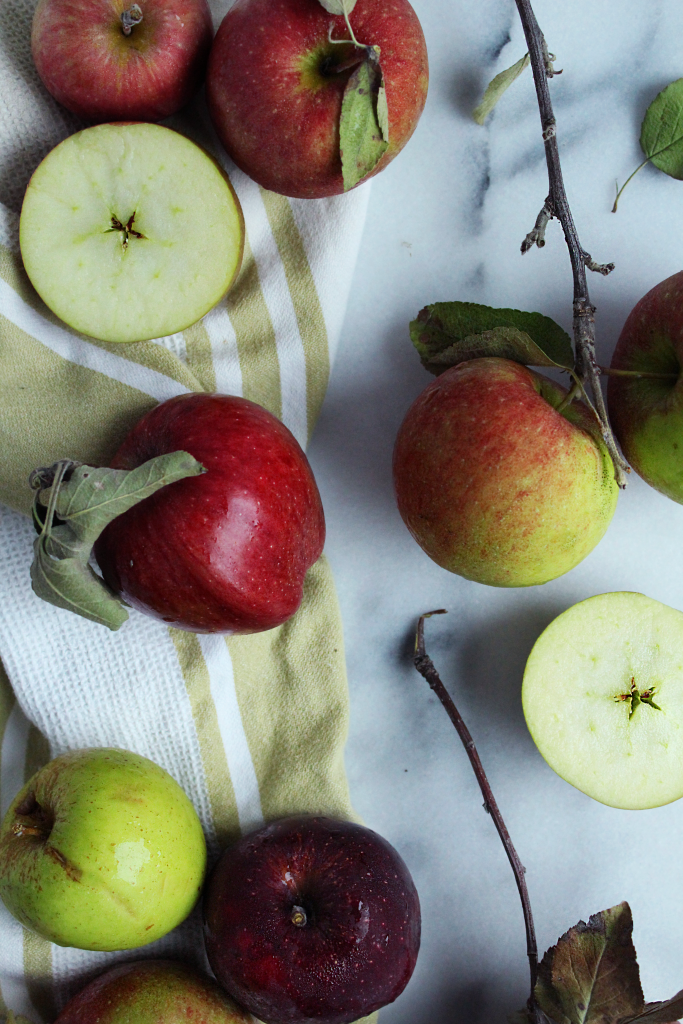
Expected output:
(7, 702)
(218, 782)
(307, 307)
(38, 951)
(255, 337)
(199, 358)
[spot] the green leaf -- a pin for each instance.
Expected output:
(661, 136)
(364, 122)
(497, 87)
(447, 333)
(659, 1013)
(338, 6)
(86, 499)
(591, 976)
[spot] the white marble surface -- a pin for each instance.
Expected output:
(445, 222)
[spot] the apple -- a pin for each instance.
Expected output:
(497, 480)
(115, 60)
(603, 699)
(150, 991)
(312, 919)
(130, 232)
(275, 83)
(646, 411)
(101, 850)
(227, 551)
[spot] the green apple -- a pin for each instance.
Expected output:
(101, 850)
(645, 395)
(151, 991)
(130, 232)
(603, 699)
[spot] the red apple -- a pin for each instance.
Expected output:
(151, 991)
(275, 84)
(89, 64)
(227, 551)
(312, 919)
(646, 403)
(497, 479)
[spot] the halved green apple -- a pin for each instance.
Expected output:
(603, 699)
(130, 232)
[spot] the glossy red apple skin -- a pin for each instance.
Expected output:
(227, 551)
(87, 63)
(647, 412)
(275, 109)
(150, 991)
(357, 949)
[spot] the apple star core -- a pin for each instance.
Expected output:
(130, 232)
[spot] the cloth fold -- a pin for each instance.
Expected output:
(252, 727)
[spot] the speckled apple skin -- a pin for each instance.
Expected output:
(274, 111)
(227, 551)
(646, 413)
(495, 484)
(151, 991)
(88, 64)
(360, 942)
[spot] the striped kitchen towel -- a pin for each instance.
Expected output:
(251, 727)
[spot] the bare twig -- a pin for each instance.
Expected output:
(556, 204)
(425, 666)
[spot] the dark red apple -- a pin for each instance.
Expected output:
(312, 919)
(227, 551)
(149, 992)
(88, 62)
(275, 84)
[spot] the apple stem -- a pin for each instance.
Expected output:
(425, 666)
(131, 18)
(557, 205)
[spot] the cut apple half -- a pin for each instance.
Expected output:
(603, 699)
(130, 232)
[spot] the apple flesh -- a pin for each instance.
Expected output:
(227, 551)
(312, 919)
(101, 850)
(96, 70)
(130, 232)
(495, 483)
(603, 699)
(275, 84)
(150, 991)
(647, 412)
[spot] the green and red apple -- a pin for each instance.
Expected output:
(500, 480)
(276, 80)
(645, 394)
(130, 232)
(101, 850)
(150, 992)
(603, 699)
(115, 60)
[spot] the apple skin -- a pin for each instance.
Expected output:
(647, 413)
(496, 485)
(227, 551)
(101, 850)
(276, 111)
(149, 991)
(87, 63)
(356, 949)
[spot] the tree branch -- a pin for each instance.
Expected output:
(556, 205)
(425, 666)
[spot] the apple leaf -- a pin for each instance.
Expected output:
(83, 500)
(447, 333)
(496, 87)
(661, 136)
(659, 1013)
(364, 122)
(338, 7)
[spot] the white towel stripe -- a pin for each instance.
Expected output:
(76, 350)
(240, 765)
(226, 360)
